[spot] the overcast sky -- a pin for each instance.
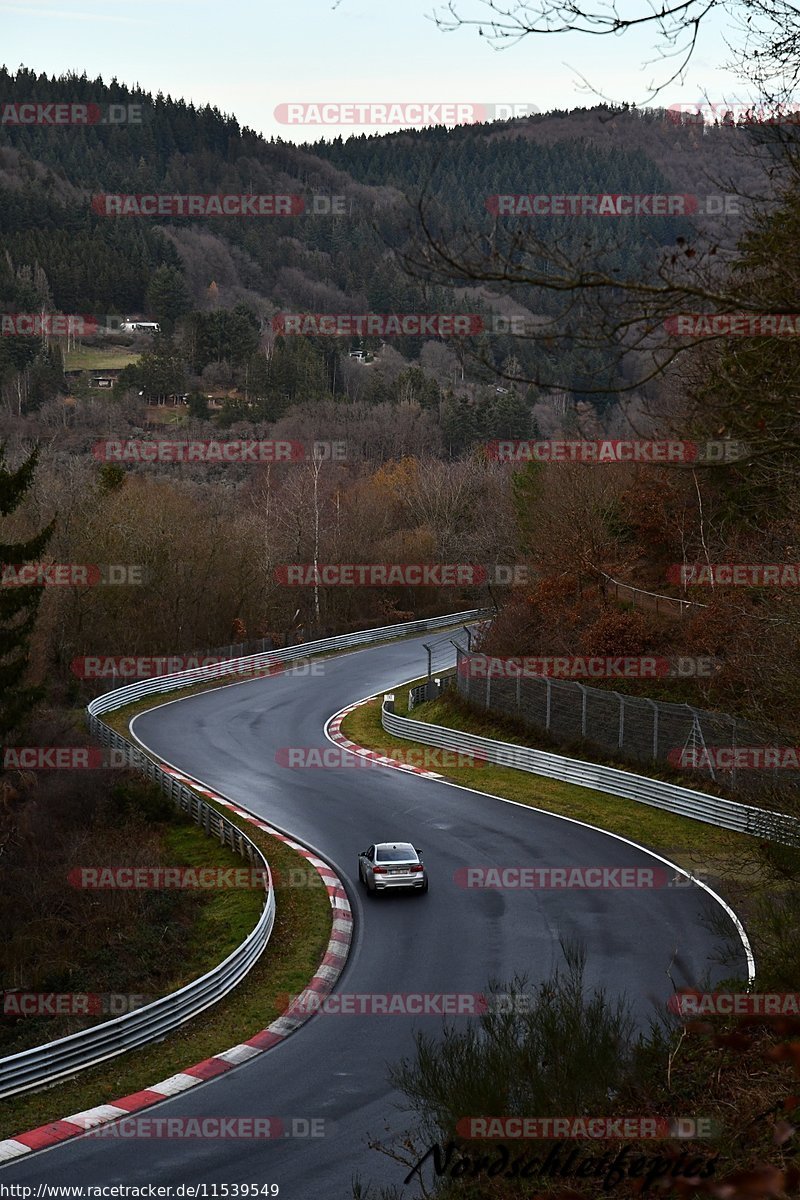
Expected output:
(248, 57)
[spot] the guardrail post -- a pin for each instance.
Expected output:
(388, 702)
(654, 707)
(429, 652)
(459, 651)
(583, 709)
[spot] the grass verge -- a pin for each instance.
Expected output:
(152, 946)
(756, 878)
(298, 942)
(691, 844)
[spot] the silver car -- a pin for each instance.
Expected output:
(388, 865)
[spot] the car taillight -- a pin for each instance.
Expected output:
(378, 870)
(416, 867)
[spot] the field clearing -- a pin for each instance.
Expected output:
(96, 358)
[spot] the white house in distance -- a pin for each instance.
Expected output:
(130, 325)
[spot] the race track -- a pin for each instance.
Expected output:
(451, 940)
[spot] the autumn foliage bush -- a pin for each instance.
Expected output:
(59, 938)
(616, 631)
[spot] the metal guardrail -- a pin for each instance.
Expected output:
(700, 806)
(418, 695)
(252, 663)
(45, 1064)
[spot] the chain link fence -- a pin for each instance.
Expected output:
(655, 602)
(634, 728)
(440, 658)
(626, 593)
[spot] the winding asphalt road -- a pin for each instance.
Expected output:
(450, 940)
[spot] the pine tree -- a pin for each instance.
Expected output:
(167, 298)
(18, 605)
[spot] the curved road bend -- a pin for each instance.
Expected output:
(451, 940)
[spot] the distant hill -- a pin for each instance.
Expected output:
(59, 254)
(93, 263)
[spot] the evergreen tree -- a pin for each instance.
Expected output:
(166, 298)
(18, 605)
(748, 389)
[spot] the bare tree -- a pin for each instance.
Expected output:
(768, 53)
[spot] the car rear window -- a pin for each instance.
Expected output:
(398, 854)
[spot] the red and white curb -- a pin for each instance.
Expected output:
(291, 1019)
(333, 729)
